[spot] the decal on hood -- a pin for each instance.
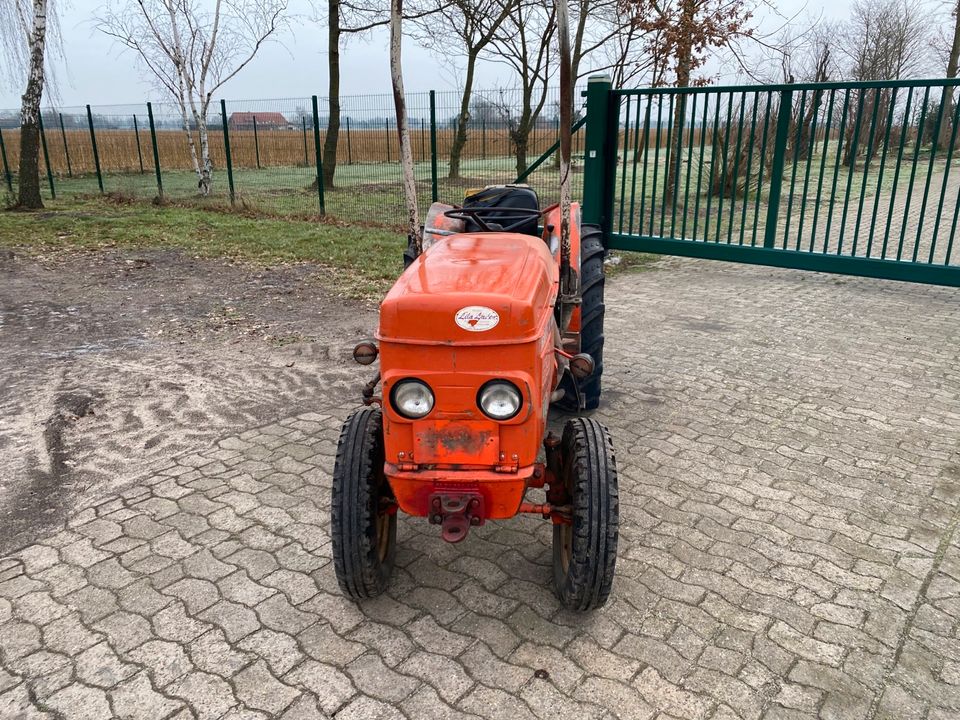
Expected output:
(477, 318)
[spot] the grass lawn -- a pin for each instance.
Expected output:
(363, 261)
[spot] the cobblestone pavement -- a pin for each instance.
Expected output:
(788, 447)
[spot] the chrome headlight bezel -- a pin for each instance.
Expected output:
(484, 396)
(411, 384)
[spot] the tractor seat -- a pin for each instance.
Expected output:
(507, 197)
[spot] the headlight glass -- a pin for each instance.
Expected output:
(499, 399)
(412, 398)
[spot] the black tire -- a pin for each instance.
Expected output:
(585, 552)
(363, 530)
(591, 324)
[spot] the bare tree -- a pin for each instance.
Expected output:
(886, 40)
(882, 40)
(24, 26)
(464, 27)
(345, 18)
(192, 51)
(953, 58)
(525, 43)
(414, 233)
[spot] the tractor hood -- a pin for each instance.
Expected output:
(473, 289)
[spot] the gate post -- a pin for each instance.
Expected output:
(600, 153)
(784, 115)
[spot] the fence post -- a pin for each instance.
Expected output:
(256, 141)
(483, 135)
(136, 132)
(156, 151)
(306, 156)
(6, 167)
(96, 155)
(388, 139)
(434, 194)
(776, 169)
(226, 148)
(316, 144)
(66, 150)
(46, 156)
(349, 148)
(423, 140)
(600, 162)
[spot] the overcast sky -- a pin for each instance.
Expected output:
(96, 70)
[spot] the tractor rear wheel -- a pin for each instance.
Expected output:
(591, 322)
(363, 515)
(585, 551)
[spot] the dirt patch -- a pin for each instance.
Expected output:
(112, 361)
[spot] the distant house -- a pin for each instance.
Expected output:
(265, 121)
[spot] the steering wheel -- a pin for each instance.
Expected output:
(507, 218)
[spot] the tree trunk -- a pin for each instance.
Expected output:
(463, 119)
(206, 167)
(414, 236)
(332, 138)
(29, 178)
(953, 59)
(684, 64)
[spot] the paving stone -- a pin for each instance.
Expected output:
(100, 666)
(209, 696)
(280, 650)
(80, 702)
(213, 654)
(372, 677)
(259, 689)
(68, 635)
(136, 699)
(332, 688)
(166, 661)
(305, 708)
(277, 613)
(364, 707)
(92, 603)
(298, 587)
(448, 679)
(236, 621)
(125, 630)
(197, 595)
(321, 643)
(38, 608)
(173, 623)
(495, 704)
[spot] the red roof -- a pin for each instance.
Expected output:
(263, 118)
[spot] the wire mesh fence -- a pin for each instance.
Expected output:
(277, 149)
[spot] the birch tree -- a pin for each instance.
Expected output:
(414, 235)
(192, 50)
(24, 26)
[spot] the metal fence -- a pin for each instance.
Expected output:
(858, 178)
(274, 152)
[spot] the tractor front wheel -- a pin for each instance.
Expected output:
(585, 551)
(363, 515)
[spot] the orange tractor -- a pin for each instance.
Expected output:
(486, 328)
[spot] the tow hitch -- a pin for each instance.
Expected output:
(455, 512)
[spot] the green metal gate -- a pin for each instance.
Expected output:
(854, 178)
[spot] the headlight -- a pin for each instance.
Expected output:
(499, 399)
(412, 398)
